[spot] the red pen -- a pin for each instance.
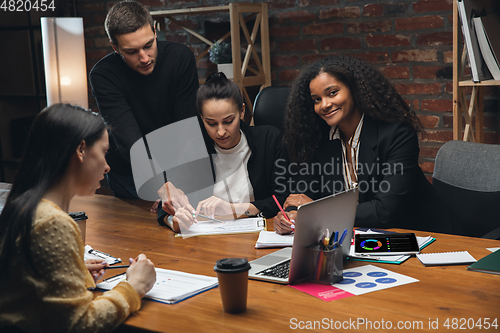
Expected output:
(281, 208)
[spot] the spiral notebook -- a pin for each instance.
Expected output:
(446, 258)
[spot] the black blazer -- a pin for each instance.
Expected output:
(265, 144)
(393, 191)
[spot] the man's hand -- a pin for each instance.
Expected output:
(172, 198)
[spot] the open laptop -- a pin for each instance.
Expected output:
(289, 265)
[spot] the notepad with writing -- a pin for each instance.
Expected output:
(446, 258)
(171, 286)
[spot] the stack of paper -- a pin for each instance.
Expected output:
(171, 286)
(446, 258)
(272, 239)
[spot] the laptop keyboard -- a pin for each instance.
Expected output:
(280, 270)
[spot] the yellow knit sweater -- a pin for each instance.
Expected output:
(58, 299)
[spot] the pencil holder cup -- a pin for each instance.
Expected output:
(326, 265)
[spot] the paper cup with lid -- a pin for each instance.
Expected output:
(233, 283)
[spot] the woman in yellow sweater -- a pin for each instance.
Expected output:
(43, 277)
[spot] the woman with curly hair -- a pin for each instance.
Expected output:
(346, 126)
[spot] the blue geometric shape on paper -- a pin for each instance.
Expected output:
(352, 274)
(386, 280)
(346, 281)
(366, 285)
(376, 274)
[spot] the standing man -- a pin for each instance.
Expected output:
(142, 86)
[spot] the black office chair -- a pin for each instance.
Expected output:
(467, 177)
(2, 170)
(270, 105)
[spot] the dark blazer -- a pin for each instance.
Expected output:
(393, 191)
(265, 143)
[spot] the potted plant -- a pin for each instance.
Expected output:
(221, 55)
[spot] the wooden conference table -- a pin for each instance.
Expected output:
(126, 228)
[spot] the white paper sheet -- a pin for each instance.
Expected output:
(272, 239)
(252, 224)
(365, 279)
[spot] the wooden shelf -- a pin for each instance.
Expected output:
(244, 74)
(471, 111)
(187, 11)
(484, 83)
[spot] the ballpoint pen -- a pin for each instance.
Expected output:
(335, 240)
(115, 267)
(209, 218)
(342, 237)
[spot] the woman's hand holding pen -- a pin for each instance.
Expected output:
(214, 206)
(295, 200)
(185, 216)
(281, 225)
(96, 267)
(141, 274)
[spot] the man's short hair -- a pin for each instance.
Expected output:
(126, 17)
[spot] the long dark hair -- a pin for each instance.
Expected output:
(218, 86)
(371, 91)
(53, 139)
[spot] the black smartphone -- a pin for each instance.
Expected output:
(78, 216)
(386, 244)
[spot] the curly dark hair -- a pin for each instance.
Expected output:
(371, 91)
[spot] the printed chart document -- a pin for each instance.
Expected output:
(171, 286)
(357, 281)
(272, 239)
(246, 225)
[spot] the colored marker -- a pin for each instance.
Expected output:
(281, 208)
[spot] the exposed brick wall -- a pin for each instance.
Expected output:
(410, 41)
